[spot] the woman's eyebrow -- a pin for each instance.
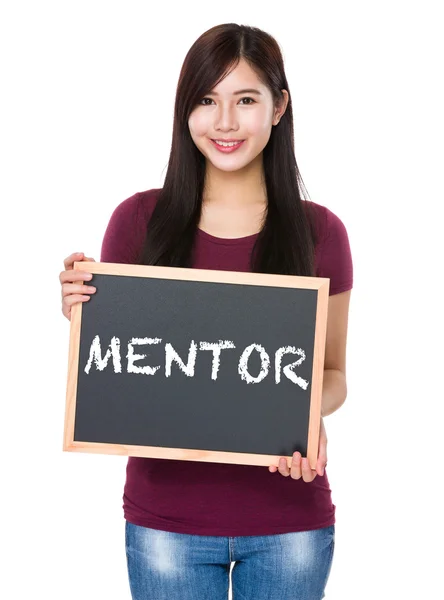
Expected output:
(246, 91)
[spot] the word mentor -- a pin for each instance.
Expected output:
(171, 356)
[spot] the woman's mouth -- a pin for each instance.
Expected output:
(231, 147)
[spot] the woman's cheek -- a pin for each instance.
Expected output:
(198, 125)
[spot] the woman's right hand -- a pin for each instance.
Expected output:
(72, 289)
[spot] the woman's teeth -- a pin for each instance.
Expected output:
(227, 144)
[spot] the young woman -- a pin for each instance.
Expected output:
(231, 200)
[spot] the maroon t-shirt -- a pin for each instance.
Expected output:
(207, 498)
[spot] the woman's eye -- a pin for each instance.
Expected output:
(245, 98)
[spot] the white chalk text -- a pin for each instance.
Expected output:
(188, 367)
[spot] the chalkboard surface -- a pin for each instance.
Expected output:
(196, 364)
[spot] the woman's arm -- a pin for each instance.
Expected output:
(334, 390)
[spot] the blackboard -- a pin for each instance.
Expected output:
(196, 364)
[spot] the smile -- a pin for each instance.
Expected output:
(230, 147)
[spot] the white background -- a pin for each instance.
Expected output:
(86, 118)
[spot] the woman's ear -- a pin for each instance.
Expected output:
(281, 108)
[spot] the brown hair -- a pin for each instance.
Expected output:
(287, 239)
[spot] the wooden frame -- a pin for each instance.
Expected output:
(290, 281)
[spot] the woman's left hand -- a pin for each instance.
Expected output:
(299, 466)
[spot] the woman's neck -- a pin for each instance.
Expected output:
(234, 203)
(240, 188)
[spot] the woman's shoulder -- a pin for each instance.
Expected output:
(148, 198)
(125, 233)
(327, 222)
(140, 205)
(334, 258)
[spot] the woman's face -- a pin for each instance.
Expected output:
(225, 114)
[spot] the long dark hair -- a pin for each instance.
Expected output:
(287, 239)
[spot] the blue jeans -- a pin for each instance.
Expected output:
(178, 566)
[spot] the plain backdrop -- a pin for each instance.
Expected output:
(87, 95)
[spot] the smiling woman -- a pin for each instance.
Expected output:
(233, 199)
(235, 124)
(228, 94)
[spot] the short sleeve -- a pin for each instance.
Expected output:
(121, 240)
(335, 255)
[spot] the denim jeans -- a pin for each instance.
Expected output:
(178, 566)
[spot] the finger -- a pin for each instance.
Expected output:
(296, 466)
(322, 432)
(283, 467)
(73, 288)
(320, 466)
(68, 276)
(69, 261)
(321, 462)
(70, 300)
(307, 473)
(322, 455)
(322, 449)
